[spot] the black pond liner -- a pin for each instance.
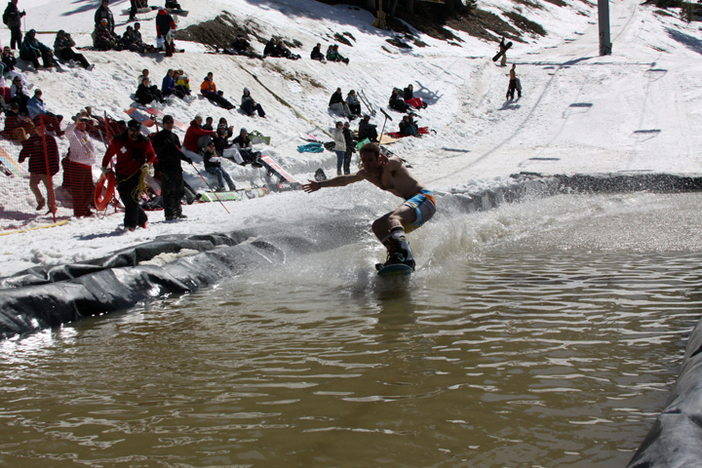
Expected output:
(48, 296)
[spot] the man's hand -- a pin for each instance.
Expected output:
(313, 186)
(105, 171)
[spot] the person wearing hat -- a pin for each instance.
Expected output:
(103, 39)
(32, 49)
(63, 48)
(167, 147)
(249, 106)
(165, 29)
(213, 165)
(133, 150)
(78, 166)
(103, 12)
(12, 18)
(197, 137)
(243, 144)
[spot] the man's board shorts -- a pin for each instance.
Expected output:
(424, 207)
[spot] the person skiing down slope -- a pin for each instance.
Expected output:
(389, 174)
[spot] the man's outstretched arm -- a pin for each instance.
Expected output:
(338, 181)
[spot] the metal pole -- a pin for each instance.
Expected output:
(603, 20)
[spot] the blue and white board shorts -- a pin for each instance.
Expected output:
(423, 205)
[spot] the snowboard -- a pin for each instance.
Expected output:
(234, 195)
(500, 53)
(140, 117)
(396, 269)
(139, 10)
(174, 11)
(275, 168)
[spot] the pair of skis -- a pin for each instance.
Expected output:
(366, 102)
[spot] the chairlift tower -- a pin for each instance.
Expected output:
(603, 21)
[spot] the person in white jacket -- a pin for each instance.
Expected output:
(78, 167)
(339, 145)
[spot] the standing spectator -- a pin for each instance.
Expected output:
(17, 128)
(503, 49)
(38, 113)
(339, 145)
(63, 49)
(353, 103)
(249, 106)
(132, 150)
(213, 165)
(133, 10)
(513, 84)
(350, 148)
(79, 164)
(165, 29)
(32, 49)
(39, 162)
(167, 147)
(103, 12)
(337, 104)
(12, 18)
(197, 137)
(208, 88)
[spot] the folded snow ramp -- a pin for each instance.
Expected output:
(39, 306)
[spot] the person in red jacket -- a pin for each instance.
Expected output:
(164, 26)
(197, 137)
(133, 150)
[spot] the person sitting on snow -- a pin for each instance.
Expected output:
(32, 49)
(245, 147)
(408, 126)
(249, 106)
(333, 55)
(367, 130)
(240, 46)
(63, 49)
(213, 165)
(196, 137)
(353, 103)
(103, 39)
(408, 94)
(147, 93)
(396, 102)
(208, 88)
(338, 105)
(317, 54)
(38, 113)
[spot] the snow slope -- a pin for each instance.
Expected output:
(634, 111)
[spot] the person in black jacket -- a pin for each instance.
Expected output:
(103, 12)
(146, 93)
(63, 49)
(167, 147)
(367, 130)
(12, 18)
(317, 54)
(39, 162)
(396, 102)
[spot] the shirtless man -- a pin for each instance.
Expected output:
(390, 174)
